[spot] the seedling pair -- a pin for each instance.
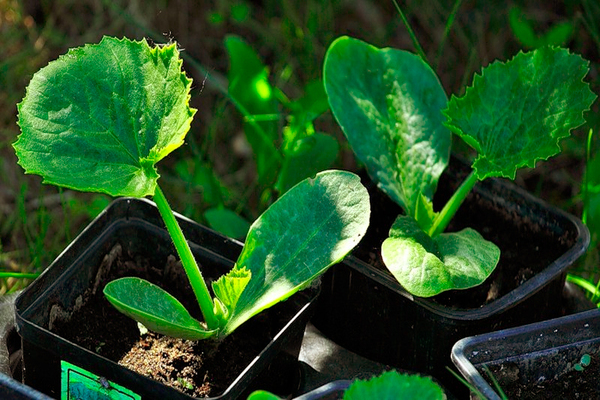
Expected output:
(99, 119)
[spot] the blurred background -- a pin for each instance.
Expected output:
(256, 67)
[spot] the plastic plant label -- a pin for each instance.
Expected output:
(77, 383)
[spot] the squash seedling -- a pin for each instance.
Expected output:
(101, 116)
(398, 121)
(390, 385)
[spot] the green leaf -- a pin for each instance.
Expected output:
(249, 86)
(523, 30)
(388, 104)
(99, 117)
(516, 112)
(156, 309)
(391, 386)
(308, 156)
(426, 267)
(262, 395)
(312, 104)
(227, 222)
(228, 289)
(311, 227)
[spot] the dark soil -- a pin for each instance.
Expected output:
(569, 385)
(198, 368)
(526, 246)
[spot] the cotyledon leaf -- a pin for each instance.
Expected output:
(515, 113)
(99, 117)
(388, 102)
(156, 309)
(311, 227)
(427, 266)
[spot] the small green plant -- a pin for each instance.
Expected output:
(282, 159)
(390, 385)
(557, 35)
(398, 121)
(584, 362)
(101, 116)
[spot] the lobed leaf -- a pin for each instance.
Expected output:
(517, 112)
(388, 104)
(228, 289)
(155, 308)
(101, 116)
(427, 266)
(311, 227)
(392, 385)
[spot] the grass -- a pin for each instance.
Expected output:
(458, 37)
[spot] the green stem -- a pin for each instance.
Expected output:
(443, 219)
(412, 35)
(586, 194)
(22, 275)
(187, 259)
(449, 24)
(585, 284)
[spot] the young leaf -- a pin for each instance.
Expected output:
(228, 289)
(516, 112)
(109, 111)
(312, 226)
(156, 309)
(427, 266)
(388, 104)
(392, 385)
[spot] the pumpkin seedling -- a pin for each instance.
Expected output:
(398, 121)
(101, 116)
(585, 361)
(390, 385)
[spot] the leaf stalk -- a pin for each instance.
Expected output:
(187, 259)
(445, 216)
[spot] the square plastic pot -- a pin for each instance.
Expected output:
(532, 355)
(137, 226)
(364, 309)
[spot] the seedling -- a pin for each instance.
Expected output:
(390, 385)
(583, 363)
(100, 117)
(396, 117)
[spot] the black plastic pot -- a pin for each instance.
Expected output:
(533, 355)
(364, 309)
(137, 226)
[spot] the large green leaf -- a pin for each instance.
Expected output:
(516, 112)
(156, 309)
(312, 226)
(392, 385)
(99, 117)
(426, 267)
(388, 102)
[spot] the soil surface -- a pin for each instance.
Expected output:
(526, 246)
(198, 368)
(573, 384)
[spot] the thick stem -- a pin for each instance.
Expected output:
(443, 219)
(187, 260)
